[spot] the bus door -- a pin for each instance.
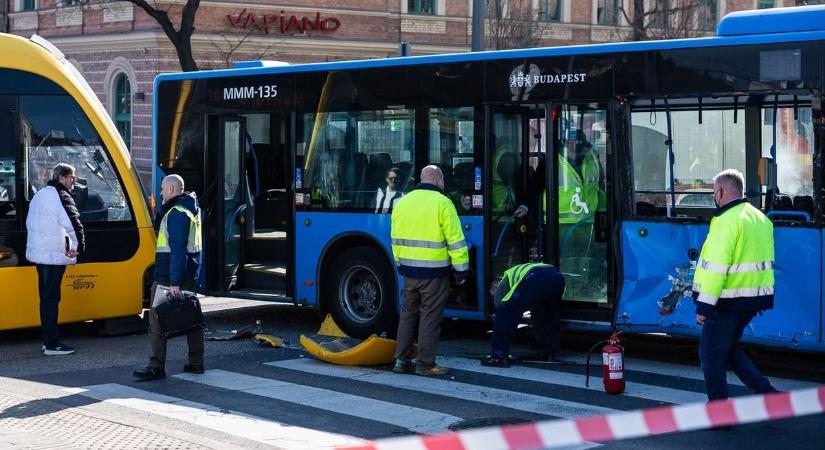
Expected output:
(231, 197)
(580, 241)
(516, 148)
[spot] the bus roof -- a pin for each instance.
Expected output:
(796, 24)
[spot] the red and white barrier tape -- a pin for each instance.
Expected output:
(624, 425)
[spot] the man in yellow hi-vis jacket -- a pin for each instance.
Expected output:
(428, 246)
(734, 280)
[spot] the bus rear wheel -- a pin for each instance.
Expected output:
(360, 291)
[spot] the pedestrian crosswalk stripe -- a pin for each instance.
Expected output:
(414, 419)
(443, 387)
(218, 419)
(686, 372)
(633, 389)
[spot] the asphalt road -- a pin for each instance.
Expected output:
(264, 397)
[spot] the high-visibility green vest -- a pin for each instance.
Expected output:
(193, 243)
(737, 256)
(580, 195)
(426, 232)
(515, 274)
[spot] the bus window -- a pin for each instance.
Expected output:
(55, 130)
(351, 159)
(794, 157)
(451, 147)
(8, 171)
(701, 150)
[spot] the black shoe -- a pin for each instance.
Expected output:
(149, 374)
(192, 368)
(496, 361)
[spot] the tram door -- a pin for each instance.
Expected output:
(580, 148)
(516, 149)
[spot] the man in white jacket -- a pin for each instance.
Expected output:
(55, 238)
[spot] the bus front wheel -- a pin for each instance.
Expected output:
(360, 291)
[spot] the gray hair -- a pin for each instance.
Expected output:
(176, 181)
(62, 170)
(731, 179)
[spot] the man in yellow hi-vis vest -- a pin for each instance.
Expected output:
(526, 287)
(176, 267)
(428, 246)
(734, 280)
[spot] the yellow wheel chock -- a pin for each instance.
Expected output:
(330, 328)
(373, 351)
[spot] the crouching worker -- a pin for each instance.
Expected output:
(176, 268)
(535, 287)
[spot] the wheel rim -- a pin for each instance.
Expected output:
(359, 294)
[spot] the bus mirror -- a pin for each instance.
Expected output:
(95, 170)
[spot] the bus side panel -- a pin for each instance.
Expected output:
(652, 251)
(89, 291)
(794, 320)
(473, 227)
(313, 231)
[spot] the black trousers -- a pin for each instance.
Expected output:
(49, 278)
(540, 292)
(157, 341)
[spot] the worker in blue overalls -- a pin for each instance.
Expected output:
(534, 287)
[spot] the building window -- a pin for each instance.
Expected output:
(708, 14)
(764, 4)
(28, 5)
(421, 6)
(607, 12)
(123, 108)
(550, 10)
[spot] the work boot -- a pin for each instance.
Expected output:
(149, 374)
(403, 366)
(192, 368)
(496, 361)
(431, 371)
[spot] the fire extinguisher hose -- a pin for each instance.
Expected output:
(587, 365)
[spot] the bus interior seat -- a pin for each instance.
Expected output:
(266, 166)
(646, 209)
(804, 203)
(463, 176)
(783, 209)
(782, 202)
(360, 176)
(406, 180)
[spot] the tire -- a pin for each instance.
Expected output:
(360, 291)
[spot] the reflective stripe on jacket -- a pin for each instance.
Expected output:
(514, 275)
(193, 243)
(177, 256)
(735, 268)
(427, 240)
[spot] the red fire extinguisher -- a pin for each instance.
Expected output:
(612, 364)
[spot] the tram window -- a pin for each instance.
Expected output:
(55, 130)
(701, 150)
(347, 158)
(451, 147)
(8, 172)
(794, 156)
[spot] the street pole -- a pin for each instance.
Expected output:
(478, 25)
(5, 16)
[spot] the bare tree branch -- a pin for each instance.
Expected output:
(514, 24)
(180, 38)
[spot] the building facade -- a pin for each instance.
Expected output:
(120, 48)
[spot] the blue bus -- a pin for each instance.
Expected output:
(297, 168)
